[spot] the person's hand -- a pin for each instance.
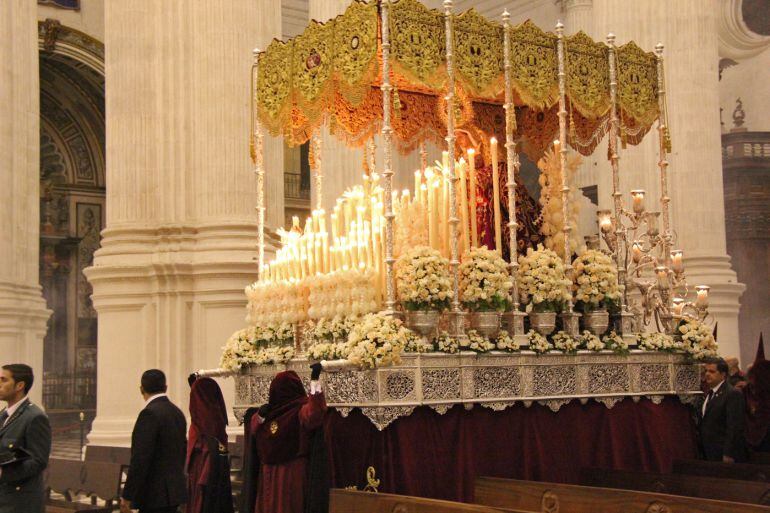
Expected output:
(263, 410)
(728, 459)
(125, 506)
(315, 371)
(191, 378)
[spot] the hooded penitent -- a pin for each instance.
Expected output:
(208, 467)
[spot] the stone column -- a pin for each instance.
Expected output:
(688, 29)
(180, 241)
(23, 313)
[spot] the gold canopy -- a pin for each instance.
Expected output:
(331, 74)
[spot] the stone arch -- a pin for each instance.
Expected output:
(72, 207)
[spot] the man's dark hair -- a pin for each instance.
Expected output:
(721, 364)
(21, 372)
(154, 381)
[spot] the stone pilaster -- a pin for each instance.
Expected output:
(180, 241)
(23, 313)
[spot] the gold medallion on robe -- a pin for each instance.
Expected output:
(273, 427)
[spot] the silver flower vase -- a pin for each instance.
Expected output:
(543, 322)
(423, 322)
(486, 323)
(596, 321)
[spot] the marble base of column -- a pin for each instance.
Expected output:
(570, 322)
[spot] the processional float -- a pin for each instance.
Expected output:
(413, 76)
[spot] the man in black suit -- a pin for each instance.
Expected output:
(156, 481)
(25, 443)
(721, 416)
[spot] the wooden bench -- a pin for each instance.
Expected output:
(352, 501)
(553, 497)
(741, 471)
(749, 492)
(92, 479)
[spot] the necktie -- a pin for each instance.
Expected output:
(708, 398)
(3, 418)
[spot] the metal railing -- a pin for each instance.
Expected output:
(294, 188)
(69, 391)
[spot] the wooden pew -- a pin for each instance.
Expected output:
(749, 492)
(352, 501)
(92, 479)
(553, 497)
(120, 455)
(741, 471)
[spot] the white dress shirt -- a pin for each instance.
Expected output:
(153, 397)
(12, 409)
(713, 394)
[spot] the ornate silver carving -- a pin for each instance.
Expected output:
(399, 385)
(687, 377)
(555, 380)
(608, 378)
(653, 377)
(441, 384)
(497, 382)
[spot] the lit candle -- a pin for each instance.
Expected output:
(702, 299)
(678, 306)
(445, 159)
(605, 220)
(464, 209)
(319, 255)
(636, 250)
(445, 231)
(496, 197)
(432, 210)
(472, 196)
(321, 226)
(662, 272)
(334, 224)
(637, 200)
(417, 184)
(676, 261)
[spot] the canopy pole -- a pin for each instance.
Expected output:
(387, 173)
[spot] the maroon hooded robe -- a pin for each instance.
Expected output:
(282, 439)
(208, 467)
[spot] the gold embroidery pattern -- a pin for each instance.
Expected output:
(588, 75)
(417, 42)
(478, 53)
(637, 83)
(274, 84)
(355, 43)
(312, 63)
(273, 427)
(534, 71)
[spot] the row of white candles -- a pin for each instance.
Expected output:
(357, 223)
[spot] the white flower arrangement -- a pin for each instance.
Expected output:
(485, 284)
(258, 345)
(416, 344)
(543, 286)
(476, 342)
(656, 341)
(591, 341)
(564, 342)
(423, 281)
(375, 341)
(505, 342)
(596, 281)
(538, 343)
(697, 339)
(447, 344)
(335, 329)
(615, 342)
(327, 351)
